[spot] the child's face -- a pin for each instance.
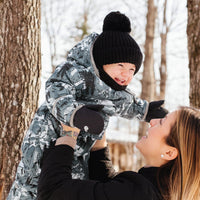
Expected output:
(121, 73)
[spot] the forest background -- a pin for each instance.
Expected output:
(35, 38)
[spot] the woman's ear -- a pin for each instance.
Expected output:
(170, 153)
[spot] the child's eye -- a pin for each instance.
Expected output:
(132, 70)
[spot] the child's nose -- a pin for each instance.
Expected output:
(125, 73)
(153, 122)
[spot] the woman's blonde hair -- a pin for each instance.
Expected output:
(180, 178)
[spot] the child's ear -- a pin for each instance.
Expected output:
(171, 153)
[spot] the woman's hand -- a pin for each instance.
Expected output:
(71, 134)
(100, 144)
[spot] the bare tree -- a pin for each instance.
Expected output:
(53, 14)
(164, 27)
(163, 62)
(193, 33)
(56, 21)
(82, 24)
(20, 65)
(148, 80)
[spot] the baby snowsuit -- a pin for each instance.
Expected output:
(74, 83)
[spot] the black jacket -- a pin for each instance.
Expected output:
(55, 181)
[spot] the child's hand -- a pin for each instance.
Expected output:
(155, 110)
(88, 119)
(100, 144)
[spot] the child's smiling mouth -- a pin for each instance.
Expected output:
(120, 81)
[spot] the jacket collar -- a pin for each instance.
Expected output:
(150, 173)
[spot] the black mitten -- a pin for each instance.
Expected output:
(88, 119)
(155, 110)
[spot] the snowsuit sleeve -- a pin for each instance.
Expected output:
(125, 104)
(62, 91)
(138, 109)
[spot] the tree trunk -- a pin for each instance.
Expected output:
(193, 33)
(163, 63)
(20, 65)
(148, 81)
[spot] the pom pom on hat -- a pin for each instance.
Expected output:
(114, 44)
(115, 21)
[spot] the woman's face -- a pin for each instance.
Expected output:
(121, 73)
(153, 145)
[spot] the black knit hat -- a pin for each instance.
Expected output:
(114, 44)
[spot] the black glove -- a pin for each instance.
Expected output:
(155, 110)
(89, 120)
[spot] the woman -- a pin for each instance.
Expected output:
(172, 172)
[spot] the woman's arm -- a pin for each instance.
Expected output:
(56, 182)
(55, 179)
(99, 164)
(56, 167)
(100, 144)
(56, 164)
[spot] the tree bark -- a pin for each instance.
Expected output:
(193, 34)
(148, 80)
(163, 63)
(20, 65)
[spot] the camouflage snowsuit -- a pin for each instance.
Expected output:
(73, 84)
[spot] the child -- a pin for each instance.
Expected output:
(84, 92)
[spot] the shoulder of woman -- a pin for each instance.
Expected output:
(138, 184)
(131, 176)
